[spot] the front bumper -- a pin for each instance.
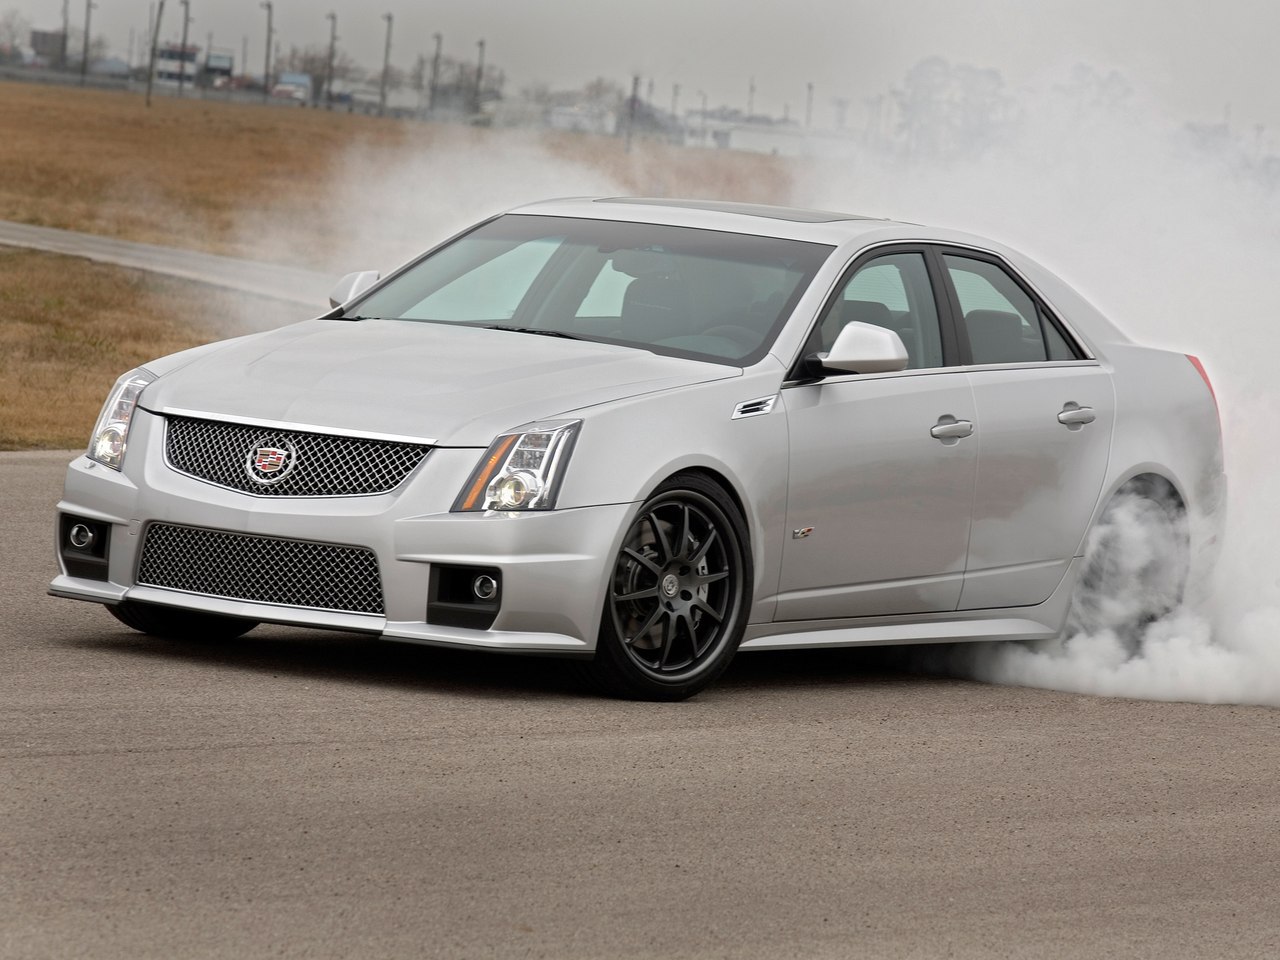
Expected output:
(554, 564)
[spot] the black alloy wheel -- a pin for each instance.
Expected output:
(678, 595)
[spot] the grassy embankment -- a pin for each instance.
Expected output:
(182, 173)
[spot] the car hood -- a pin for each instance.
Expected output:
(455, 386)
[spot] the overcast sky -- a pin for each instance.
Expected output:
(1191, 57)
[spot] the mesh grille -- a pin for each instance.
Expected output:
(296, 573)
(267, 461)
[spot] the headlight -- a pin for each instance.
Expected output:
(521, 470)
(111, 432)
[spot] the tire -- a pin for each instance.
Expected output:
(678, 596)
(174, 623)
(1135, 568)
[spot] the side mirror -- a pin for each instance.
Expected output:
(351, 286)
(864, 348)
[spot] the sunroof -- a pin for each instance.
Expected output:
(747, 209)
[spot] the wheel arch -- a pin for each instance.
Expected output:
(765, 554)
(1150, 480)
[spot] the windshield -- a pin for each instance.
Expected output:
(677, 291)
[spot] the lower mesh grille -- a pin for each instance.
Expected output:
(236, 566)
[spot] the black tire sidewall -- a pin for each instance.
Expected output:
(613, 670)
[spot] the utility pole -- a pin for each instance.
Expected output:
(808, 107)
(435, 73)
(631, 109)
(66, 29)
(479, 74)
(333, 47)
(182, 63)
(266, 60)
(675, 97)
(386, 68)
(751, 98)
(84, 61)
(703, 95)
(155, 41)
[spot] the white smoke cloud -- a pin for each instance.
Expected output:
(1176, 240)
(382, 206)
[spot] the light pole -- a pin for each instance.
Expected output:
(751, 98)
(266, 60)
(84, 60)
(675, 97)
(703, 95)
(333, 46)
(66, 28)
(808, 106)
(386, 68)
(479, 74)
(182, 62)
(435, 73)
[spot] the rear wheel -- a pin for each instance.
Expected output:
(177, 624)
(1135, 566)
(678, 596)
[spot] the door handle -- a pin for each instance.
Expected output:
(1074, 415)
(949, 428)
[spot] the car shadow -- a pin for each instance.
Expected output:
(357, 659)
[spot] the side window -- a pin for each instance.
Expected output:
(894, 292)
(1003, 323)
(493, 289)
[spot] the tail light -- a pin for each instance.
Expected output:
(1195, 362)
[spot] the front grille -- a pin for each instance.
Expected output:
(306, 464)
(237, 566)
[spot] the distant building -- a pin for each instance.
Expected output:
(219, 68)
(293, 86)
(49, 46)
(174, 62)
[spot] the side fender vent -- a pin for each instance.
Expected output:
(754, 408)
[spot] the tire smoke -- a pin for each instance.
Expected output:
(1171, 230)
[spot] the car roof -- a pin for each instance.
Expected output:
(792, 223)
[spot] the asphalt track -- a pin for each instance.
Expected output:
(294, 284)
(304, 794)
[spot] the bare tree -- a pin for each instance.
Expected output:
(948, 110)
(15, 29)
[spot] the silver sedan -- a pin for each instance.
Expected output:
(644, 434)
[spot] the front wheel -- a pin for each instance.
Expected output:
(177, 624)
(678, 596)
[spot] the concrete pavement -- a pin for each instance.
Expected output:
(305, 794)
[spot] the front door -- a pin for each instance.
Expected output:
(881, 473)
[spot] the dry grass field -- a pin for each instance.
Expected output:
(280, 184)
(69, 327)
(188, 172)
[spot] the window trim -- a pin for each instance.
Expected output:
(946, 320)
(1044, 313)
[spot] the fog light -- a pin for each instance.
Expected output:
(484, 587)
(81, 537)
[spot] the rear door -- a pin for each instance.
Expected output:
(1044, 415)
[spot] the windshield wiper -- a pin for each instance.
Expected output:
(535, 330)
